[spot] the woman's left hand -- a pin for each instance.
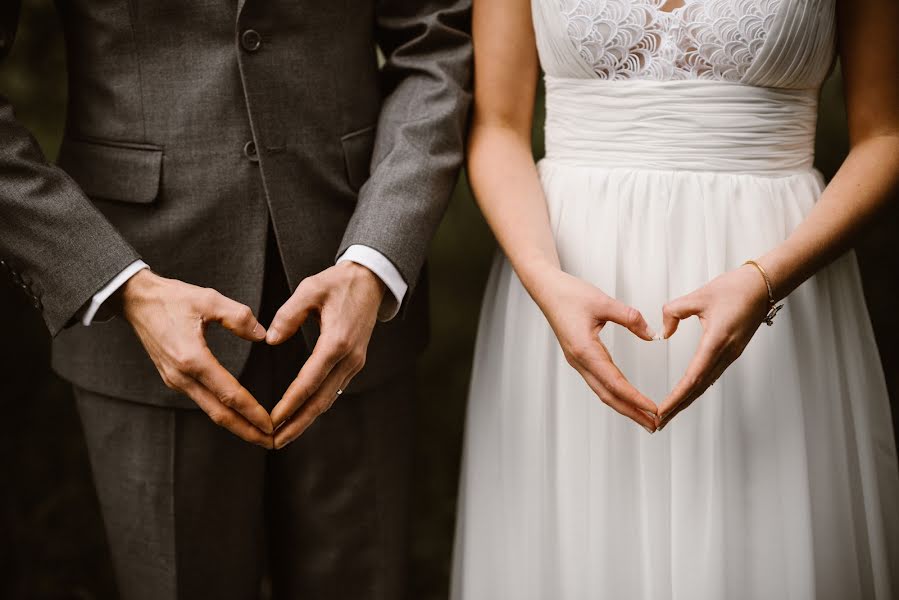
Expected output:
(730, 309)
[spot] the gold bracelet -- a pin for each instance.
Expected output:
(773, 307)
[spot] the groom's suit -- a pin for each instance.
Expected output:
(193, 130)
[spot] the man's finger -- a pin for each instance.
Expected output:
(225, 387)
(316, 405)
(291, 316)
(326, 354)
(702, 363)
(235, 317)
(224, 416)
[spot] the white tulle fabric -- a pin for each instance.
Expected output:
(782, 480)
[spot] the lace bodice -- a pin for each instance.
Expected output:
(628, 39)
(776, 43)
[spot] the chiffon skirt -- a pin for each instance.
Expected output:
(780, 482)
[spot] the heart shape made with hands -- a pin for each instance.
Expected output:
(617, 387)
(730, 309)
(171, 317)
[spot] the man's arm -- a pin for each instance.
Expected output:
(420, 135)
(417, 155)
(381, 266)
(61, 250)
(40, 208)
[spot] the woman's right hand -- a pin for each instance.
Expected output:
(577, 312)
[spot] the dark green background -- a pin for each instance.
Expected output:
(51, 540)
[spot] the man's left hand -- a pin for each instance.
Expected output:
(346, 298)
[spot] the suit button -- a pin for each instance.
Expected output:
(249, 150)
(251, 40)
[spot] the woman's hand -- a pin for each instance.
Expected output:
(577, 312)
(730, 308)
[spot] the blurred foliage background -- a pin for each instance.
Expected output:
(51, 538)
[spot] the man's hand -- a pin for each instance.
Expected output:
(346, 298)
(170, 318)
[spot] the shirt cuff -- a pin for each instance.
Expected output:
(110, 288)
(381, 266)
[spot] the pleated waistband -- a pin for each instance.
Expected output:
(680, 125)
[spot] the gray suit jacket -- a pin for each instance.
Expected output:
(191, 124)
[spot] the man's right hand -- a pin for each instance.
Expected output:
(170, 318)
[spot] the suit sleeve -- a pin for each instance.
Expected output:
(54, 244)
(418, 149)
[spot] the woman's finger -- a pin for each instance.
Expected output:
(707, 354)
(623, 408)
(701, 389)
(628, 317)
(676, 311)
(599, 363)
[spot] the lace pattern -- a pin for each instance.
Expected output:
(637, 39)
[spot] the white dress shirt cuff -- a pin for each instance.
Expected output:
(381, 266)
(110, 288)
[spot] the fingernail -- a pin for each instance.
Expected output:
(257, 332)
(648, 430)
(272, 336)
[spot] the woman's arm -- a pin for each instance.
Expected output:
(505, 182)
(869, 178)
(731, 307)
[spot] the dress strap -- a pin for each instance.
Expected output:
(800, 48)
(558, 55)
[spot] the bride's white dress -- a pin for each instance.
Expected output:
(680, 144)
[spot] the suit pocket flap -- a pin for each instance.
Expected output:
(357, 149)
(113, 170)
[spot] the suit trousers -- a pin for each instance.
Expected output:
(193, 512)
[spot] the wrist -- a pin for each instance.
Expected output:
(541, 282)
(777, 276)
(136, 291)
(364, 276)
(757, 275)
